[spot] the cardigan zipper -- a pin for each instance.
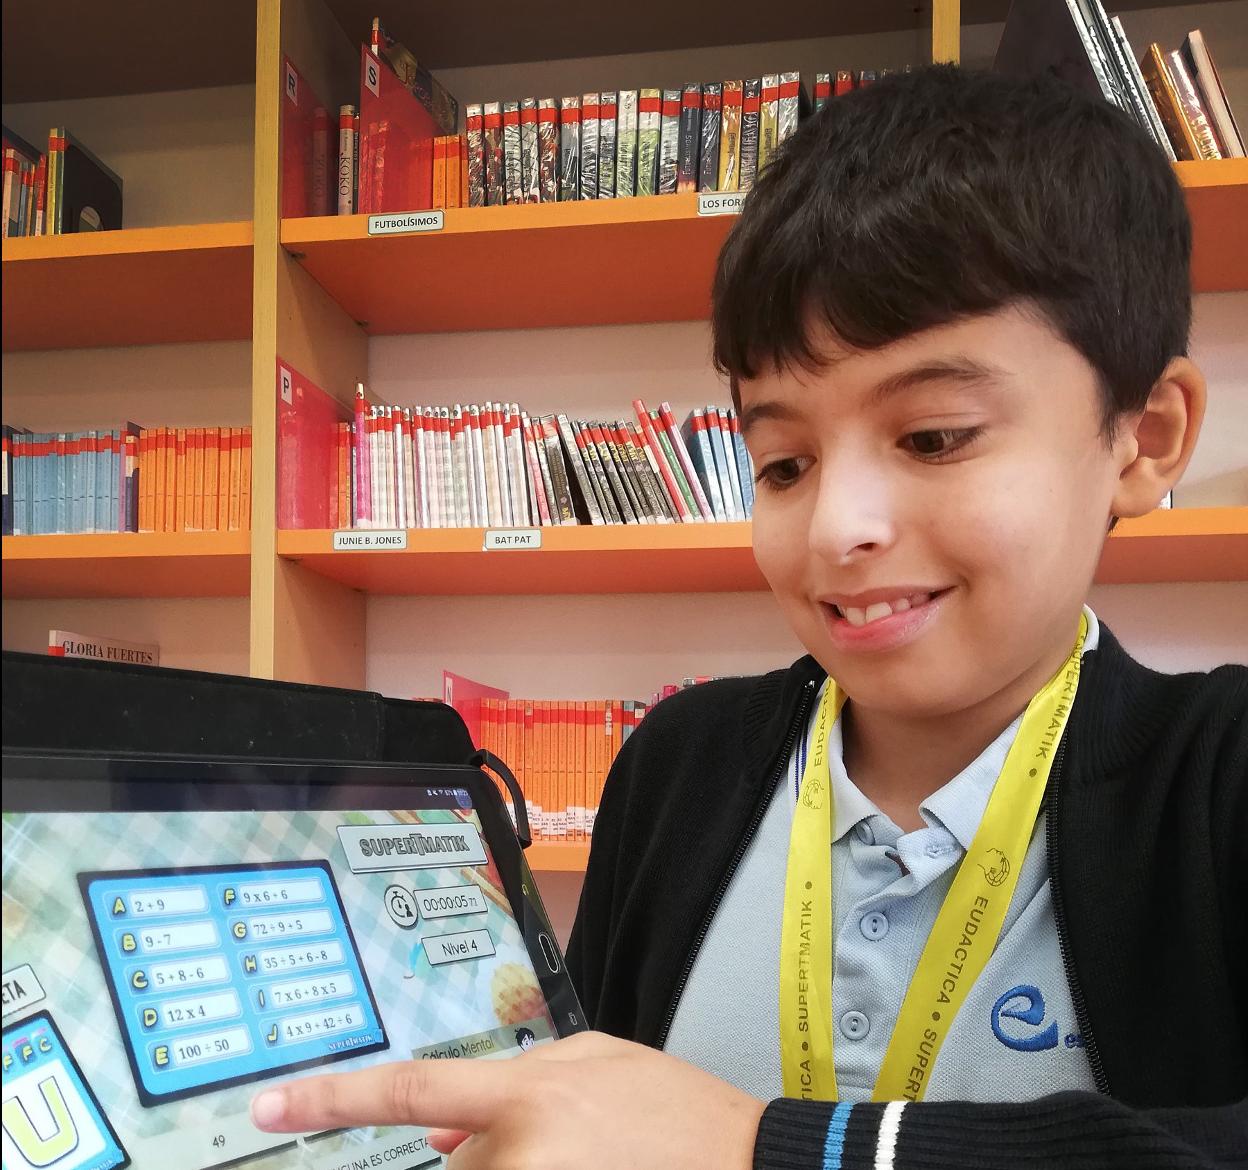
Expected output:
(1059, 920)
(751, 829)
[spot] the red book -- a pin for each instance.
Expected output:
(404, 134)
(844, 82)
(306, 184)
(307, 452)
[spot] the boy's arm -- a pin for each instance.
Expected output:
(1071, 1131)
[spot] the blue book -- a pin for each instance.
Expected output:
(716, 437)
(693, 429)
(745, 472)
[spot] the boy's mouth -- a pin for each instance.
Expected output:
(871, 609)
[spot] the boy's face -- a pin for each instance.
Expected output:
(930, 514)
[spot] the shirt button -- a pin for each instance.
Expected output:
(855, 1025)
(873, 926)
(863, 831)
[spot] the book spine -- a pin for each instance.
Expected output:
(690, 138)
(823, 90)
(446, 454)
(580, 470)
(41, 195)
(649, 129)
(626, 144)
(346, 160)
(475, 133)
(1205, 73)
(6, 471)
(439, 173)
(708, 149)
(683, 511)
(569, 148)
(565, 512)
(513, 180)
(730, 458)
(212, 462)
(56, 187)
(686, 464)
(363, 479)
(543, 466)
(694, 433)
(745, 472)
(421, 469)
(463, 472)
(495, 165)
(843, 82)
(591, 122)
(669, 141)
(547, 150)
(1136, 78)
(11, 184)
(536, 477)
(318, 178)
(1166, 98)
(768, 118)
(480, 496)
(751, 102)
(678, 472)
(471, 427)
(490, 466)
(730, 136)
(719, 450)
(515, 467)
(788, 112)
(503, 459)
(355, 178)
(608, 125)
(1192, 106)
(179, 479)
(530, 181)
(244, 481)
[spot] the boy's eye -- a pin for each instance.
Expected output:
(934, 444)
(783, 473)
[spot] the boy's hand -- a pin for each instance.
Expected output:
(587, 1101)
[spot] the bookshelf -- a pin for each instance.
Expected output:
(127, 564)
(138, 286)
(211, 262)
(1170, 545)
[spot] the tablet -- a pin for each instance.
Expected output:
(177, 934)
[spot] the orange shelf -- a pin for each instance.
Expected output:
(1217, 199)
(605, 262)
(138, 286)
(552, 857)
(1193, 544)
(1178, 544)
(128, 564)
(669, 558)
(480, 271)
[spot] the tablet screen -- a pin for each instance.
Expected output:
(160, 965)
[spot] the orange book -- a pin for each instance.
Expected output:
(452, 171)
(566, 802)
(526, 762)
(509, 743)
(463, 170)
(195, 480)
(179, 479)
(581, 767)
(160, 462)
(617, 729)
(212, 472)
(143, 481)
(223, 480)
(544, 781)
(602, 737)
(244, 483)
(236, 474)
(148, 480)
(533, 773)
(439, 172)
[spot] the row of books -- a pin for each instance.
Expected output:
(613, 144)
(493, 465)
(61, 190)
(130, 479)
(1176, 95)
(560, 752)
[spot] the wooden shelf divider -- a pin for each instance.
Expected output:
(1195, 544)
(127, 564)
(138, 286)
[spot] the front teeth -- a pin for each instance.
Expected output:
(881, 609)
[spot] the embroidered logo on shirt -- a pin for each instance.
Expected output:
(996, 867)
(1025, 1004)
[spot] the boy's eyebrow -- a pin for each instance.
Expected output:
(962, 370)
(750, 416)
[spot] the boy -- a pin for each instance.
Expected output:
(954, 315)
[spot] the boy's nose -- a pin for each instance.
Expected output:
(852, 518)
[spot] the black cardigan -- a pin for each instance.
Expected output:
(1148, 853)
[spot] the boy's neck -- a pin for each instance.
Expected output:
(897, 762)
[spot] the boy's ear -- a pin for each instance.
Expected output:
(1157, 443)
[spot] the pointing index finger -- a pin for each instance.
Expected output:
(444, 1094)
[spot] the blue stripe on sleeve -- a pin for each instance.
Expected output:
(834, 1146)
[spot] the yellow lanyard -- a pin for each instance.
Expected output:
(966, 929)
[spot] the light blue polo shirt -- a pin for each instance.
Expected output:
(1015, 1037)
